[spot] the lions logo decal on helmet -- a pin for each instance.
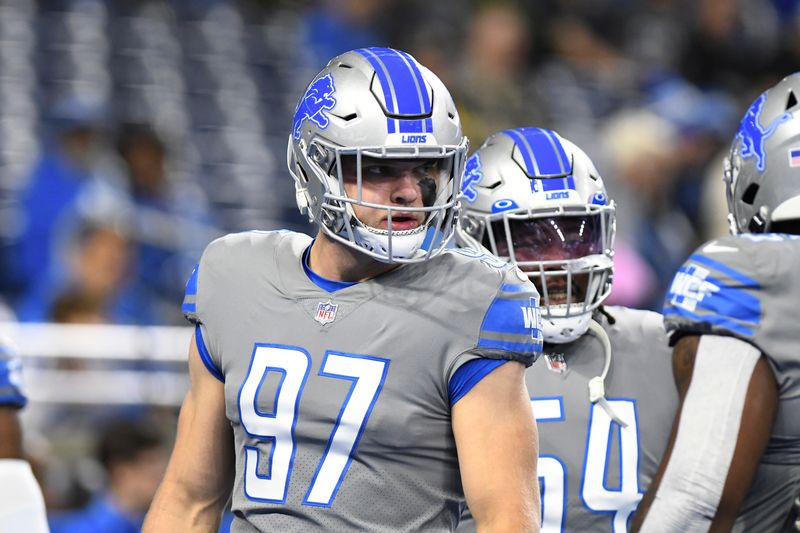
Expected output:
(472, 175)
(753, 135)
(317, 99)
(760, 174)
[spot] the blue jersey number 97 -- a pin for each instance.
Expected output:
(367, 374)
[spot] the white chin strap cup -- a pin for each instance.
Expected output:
(562, 330)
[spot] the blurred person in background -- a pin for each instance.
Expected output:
(583, 80)
(134, 456)
(491, 76)
(169, 219)
(733, 463)
(72, 165)
(21, 502)
(729, 43)
(536, 200)
(332, 27)
(702, 120)
(642, 169)
(96, 257)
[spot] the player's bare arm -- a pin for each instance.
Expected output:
(199, 476)
(497, 445)
(735, 474)
(11, 443)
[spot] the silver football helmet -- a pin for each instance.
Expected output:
(536, 200)
(762, 172)
(376, 103)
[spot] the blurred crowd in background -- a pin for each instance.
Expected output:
(133, 133)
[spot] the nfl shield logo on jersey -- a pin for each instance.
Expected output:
(556, 362)
(326, 312)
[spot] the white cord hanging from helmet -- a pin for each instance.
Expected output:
(597, 392)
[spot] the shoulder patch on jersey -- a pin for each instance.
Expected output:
(512, 324)
(706, 291)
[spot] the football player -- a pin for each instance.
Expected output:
(601, 400)
(21, 502)
(358, 381)
(732, 315)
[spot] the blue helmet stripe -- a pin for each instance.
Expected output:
(422, 88)
(563, 159)
(548, 152)
(404, 90)
(401, 76)
(553, 184)
(388, 95)
(411, 126)
(525, 150)
(542, 152)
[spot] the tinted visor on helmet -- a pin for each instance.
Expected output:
(558, 238)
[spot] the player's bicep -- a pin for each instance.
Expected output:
(10, 433)
(497, 443)
(758, 416)
(199, 476)
(728, 402)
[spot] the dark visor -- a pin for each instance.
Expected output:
(550, 238)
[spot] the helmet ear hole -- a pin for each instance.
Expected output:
(791, 101)
(749, 195)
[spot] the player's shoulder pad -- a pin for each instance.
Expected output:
(511, 327)
(642, 323)
(243, 248)
(464, 260)
(717, 290)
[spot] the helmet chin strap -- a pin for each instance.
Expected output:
(734, 230)
(597, 393)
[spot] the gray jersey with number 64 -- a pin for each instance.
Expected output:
(593, 472)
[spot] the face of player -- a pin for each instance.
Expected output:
(555, 239)
(394, 182)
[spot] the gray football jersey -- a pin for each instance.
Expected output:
(593, 472)
(339, 401)
(748, 287)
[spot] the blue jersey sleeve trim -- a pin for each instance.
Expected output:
(190, 294)
(512, 316)
(14, 400)
(519, 347)
(205, 356)
(468, 375)
(191, 284)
